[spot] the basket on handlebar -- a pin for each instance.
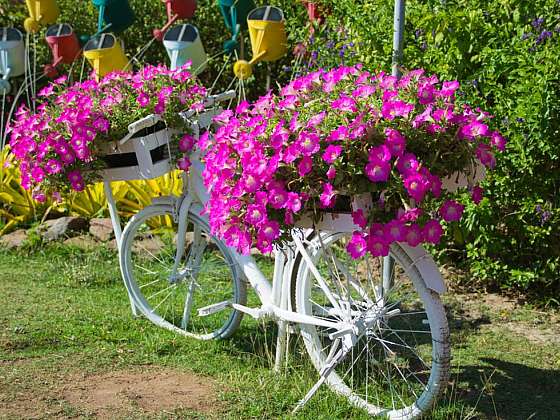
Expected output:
(149, 150)
(146, 154)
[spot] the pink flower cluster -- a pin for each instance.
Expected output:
(344, 132)
(57, 146)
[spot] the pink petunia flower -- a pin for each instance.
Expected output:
(357, 246)
(328, 195)
(417, 186)
(378, 171)
(451, 211)
(359, 218)
(407, 164)
(477, 194)
(331, 173)
(395, 141)
(432, 231)
(396, 230)
(485, 155)
(413, 235)
(186, 143)
(344, 103)
(379, 153)
(498, 141)
(377, 246)
(331, 153)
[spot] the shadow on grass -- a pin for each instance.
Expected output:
(508, 390)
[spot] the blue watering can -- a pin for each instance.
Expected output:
(12, 57)
(183, 43)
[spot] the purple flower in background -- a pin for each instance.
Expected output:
(543, 37)
(537, 23)
(544, 214)
(526, 35)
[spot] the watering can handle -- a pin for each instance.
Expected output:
(136, 126)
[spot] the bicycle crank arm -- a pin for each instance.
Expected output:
(214, 308)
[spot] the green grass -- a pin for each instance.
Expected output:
(65, 312)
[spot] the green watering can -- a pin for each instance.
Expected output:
(12, 57)
(114, 15)
(235, 14)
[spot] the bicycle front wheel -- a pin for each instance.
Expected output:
(395, 361)
(205, 278)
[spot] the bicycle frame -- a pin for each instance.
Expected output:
(275, 296)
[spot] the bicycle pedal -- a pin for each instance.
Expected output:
(214, 308)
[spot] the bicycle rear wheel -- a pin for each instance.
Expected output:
(396, 361)
(206, 278)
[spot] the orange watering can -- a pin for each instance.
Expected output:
(267, 31)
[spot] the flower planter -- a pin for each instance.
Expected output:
(474, 175)
(338, 221)
(145, 155)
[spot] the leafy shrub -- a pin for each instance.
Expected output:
(508, 53)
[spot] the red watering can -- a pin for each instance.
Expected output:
(64, 45)
(176, 9)
(314, 11)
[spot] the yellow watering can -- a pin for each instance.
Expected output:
(41, 12)
(105, 54)
(267, 31)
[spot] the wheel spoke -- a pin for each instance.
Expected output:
(387, 366)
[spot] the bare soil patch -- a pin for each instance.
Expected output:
(33, 393)
(148, 392)
(495, 311)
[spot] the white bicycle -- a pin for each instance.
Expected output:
(377, 334)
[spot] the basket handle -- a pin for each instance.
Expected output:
(136, 126)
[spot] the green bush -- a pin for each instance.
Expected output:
(507, 62)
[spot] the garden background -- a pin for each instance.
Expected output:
(504, 53)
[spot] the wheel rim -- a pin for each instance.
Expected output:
(206, 275)
(392, 364)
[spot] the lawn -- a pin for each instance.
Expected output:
(69, 346)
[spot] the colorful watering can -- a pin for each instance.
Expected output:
(176, 9)
(41, 12)
(114, 15)
(64, 45)
(105, 54)
(12, 56)
(235, 14)
(267, 31)
(183, 43)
